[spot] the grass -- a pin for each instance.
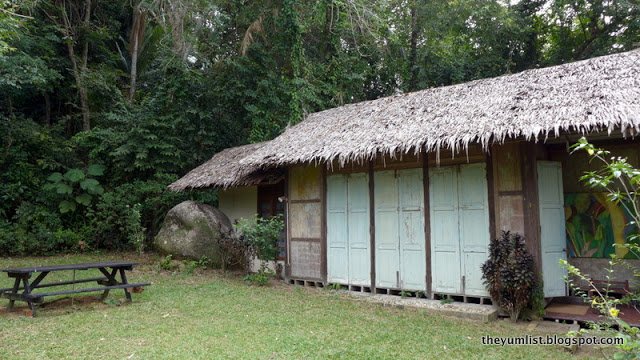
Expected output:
(213, 315)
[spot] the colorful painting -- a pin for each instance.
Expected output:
(594, 225)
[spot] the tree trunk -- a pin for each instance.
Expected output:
(82, 91)
(78, 70)
(47, 109)
(413, 48)
(137, 31)
(328, 29)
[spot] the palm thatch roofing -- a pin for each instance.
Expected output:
(224, 170)
(599, 94)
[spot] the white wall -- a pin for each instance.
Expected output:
(241, 202)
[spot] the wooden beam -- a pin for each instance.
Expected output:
(304, 239)
(306, 201)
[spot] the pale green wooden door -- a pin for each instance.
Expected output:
(474, 226)
(386, 233)
(552, 226)
(337, 230)
(399, 219)
(411, 232)
(348, 255)
(460, 236)
(445, 236)
(358, 222)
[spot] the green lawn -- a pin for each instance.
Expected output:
(210, 315)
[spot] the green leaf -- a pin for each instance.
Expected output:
(84, 199)
(67, 206)
(95, 170)
(74, 175)
(63, 189)
(92, 186)
(86, 184)
(55, 177)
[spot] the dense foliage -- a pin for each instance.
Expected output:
(262, 235)
(147, 89)
(509, 274)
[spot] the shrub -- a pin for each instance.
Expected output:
(34, 231)
(235, 252)
(260, 278)
(167, 263)
(190, 266)
(76, 187)
(509, 274)
(262, 235)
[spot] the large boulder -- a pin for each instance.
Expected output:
(193, 230)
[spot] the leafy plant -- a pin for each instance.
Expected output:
(509, 274)
(76, 187)
(136, 234)
(335, 286)
(404, 293)
(167, 264)
(262, 235)
(192, 265)
(446, 300)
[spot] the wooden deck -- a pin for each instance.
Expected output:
(576, 310)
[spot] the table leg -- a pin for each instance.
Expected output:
(38, 279)
(123, 277)
(16, 286)
(25, 295)
(111, 280)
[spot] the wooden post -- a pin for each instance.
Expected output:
(323, 226)
(287, 262)
(530, 202)
(491, 193)
(372, 228)
(427, 223)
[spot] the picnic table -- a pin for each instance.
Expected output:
(25, 292)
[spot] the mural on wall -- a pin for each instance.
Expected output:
(594, 224)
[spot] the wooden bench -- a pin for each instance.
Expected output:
(612, 287)
(108, 281)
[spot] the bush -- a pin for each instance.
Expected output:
(262, 235)
(509, 274)
(115, 222)
(235, 252)
(34, 231)
(261, 278)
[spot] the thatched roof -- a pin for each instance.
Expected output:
(599, 94)
(224, 170)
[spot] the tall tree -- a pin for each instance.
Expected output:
(73, 18)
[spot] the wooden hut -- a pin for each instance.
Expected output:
(404, 193)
